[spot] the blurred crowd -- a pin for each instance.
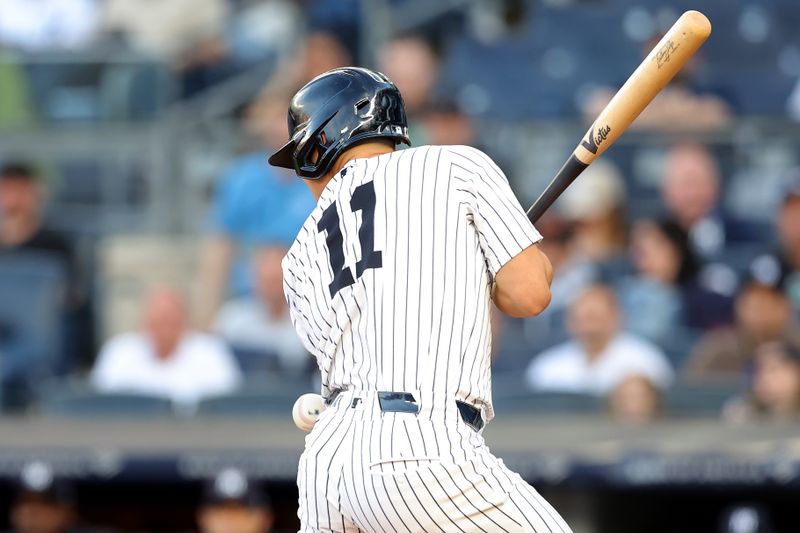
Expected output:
(661, 284)
(46, 502)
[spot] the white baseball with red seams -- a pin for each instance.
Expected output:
(306, 410)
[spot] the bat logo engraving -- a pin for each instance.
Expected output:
(593, 141)
(665, 53)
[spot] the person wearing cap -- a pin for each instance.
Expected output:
(762, 314)
(232, 503)
(745, 518)
(594, 206)
(44, 503)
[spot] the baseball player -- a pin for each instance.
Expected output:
(389, 283)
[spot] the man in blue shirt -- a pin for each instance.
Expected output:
(254, 204)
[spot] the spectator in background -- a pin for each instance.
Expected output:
(171, 30)
(774, 388)
(261, 28)
(691, 193)
(343, 18)
(166, 359)
(17, 106)
(412, 64)
(254, 204)
(494, 21)
(599, 356)
(22, 228)
(789, 236)
(594, 208)
(23, 233)
(445, 124)
(663, 297)
(763, 314)
(43, 503)
(318, 52)
(47, 24)
(635, 400)
(686, 103)
(585, 238)
(234, 504)
(186, 33)
(261, 323)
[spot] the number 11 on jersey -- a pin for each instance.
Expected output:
(363, 200)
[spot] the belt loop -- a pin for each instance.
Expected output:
(471, 415)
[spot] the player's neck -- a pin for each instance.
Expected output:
(359, 151)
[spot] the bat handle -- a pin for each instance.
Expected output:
(571, 169)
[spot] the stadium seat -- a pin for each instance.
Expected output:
(548, 403)
(88, 404)
(510, 395)
(279, 383)
(251, 359)
(695, 399)
(248, 403)
(261, 394)
(759, 91)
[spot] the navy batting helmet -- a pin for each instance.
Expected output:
(336, 110)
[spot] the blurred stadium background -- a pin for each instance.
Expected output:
(147, 369)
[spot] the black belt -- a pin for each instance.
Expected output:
(404, 402)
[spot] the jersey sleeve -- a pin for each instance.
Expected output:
(502, 225)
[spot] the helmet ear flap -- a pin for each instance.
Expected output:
(310, 155)
(315, 153)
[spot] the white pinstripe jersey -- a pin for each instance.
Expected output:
(389, 279)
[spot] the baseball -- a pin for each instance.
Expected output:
(306, 410)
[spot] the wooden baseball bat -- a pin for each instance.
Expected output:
(665, 60)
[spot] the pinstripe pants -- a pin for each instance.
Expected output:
(368, 471)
